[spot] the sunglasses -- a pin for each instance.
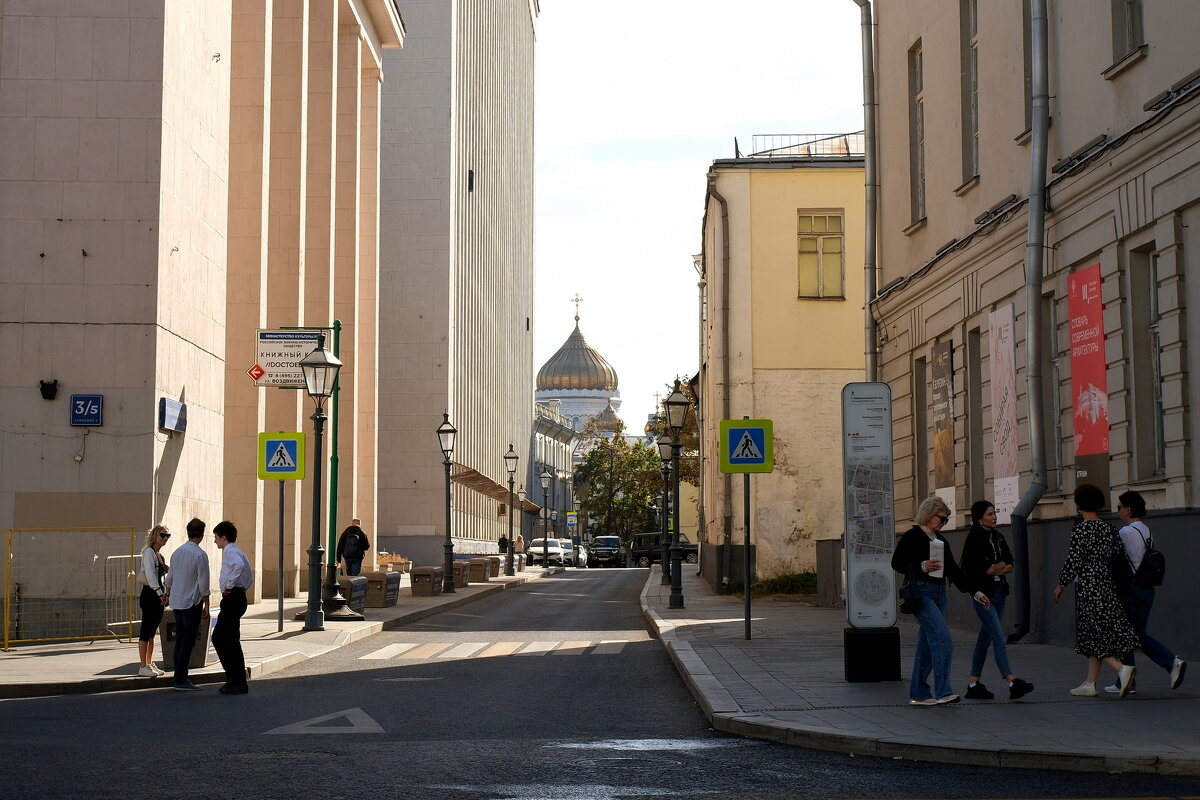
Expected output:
(164, 536)
(945, 520)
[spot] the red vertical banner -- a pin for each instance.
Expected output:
(1089, 376)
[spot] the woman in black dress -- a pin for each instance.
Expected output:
(1102, 631)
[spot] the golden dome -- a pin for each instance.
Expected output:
(577, 366)
(607, 420)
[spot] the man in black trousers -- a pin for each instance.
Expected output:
(236, 577)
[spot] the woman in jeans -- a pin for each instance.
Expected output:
(935, 648)
(987, 561)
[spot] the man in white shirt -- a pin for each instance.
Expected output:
(236, 577)
(187, 594)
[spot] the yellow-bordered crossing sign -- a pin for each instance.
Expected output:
(747, 445)
(281, 456)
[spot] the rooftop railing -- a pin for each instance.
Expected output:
(807, 145)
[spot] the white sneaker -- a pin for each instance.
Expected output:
(157, 671)
(1113, 688)
(147, 672)
(1085, 689)
(1126, 677)
(1177, 672)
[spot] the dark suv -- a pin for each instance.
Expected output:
(647, 549)
(606, 551)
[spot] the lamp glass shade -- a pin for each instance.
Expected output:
(446, 433)
(664, 447)
(320, 369)
(521, 495)
(677, 404)
(545, 478)
(510, 461)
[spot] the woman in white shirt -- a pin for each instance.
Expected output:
(153, 598)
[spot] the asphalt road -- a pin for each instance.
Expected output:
(552, 690)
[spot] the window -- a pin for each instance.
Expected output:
(975, 439)
(1145, 365)
(920, 430)
(1126, 27)
(820, 240)
(1027, 44)
(916, 134)
(969, 46)
(1052, 431)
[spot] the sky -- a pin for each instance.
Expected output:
(634, 101)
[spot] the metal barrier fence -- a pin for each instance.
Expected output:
(70, 583)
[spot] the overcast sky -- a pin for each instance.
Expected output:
(635, 99)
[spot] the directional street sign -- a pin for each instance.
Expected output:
(281, 456)
(747, 445)
(277, 357)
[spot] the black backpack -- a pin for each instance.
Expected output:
(1153, 569)
(353, 549)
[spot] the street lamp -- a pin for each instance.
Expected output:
(446, 433)
(665, 452)
(320, 369)
(510, 463)
(545, 479)
(677, 408)
(521, 505)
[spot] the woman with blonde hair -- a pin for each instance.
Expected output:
(153, 598)
(924, 556)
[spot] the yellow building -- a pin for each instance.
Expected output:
(781, 334)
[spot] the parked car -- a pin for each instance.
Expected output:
(647, 549)
(549, 549)
(606, 551)
(573, 555)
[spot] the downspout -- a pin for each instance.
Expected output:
(726, 478)
(1034, 251)
(870, 247)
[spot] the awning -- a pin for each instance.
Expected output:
(476, 481)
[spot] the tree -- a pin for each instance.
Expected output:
(622, 483)
(689, 438)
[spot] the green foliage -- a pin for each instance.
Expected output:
(621, 480)
(792, 583)
(689, 461)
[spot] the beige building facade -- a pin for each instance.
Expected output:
(456, 269)
(1122, 202)
(781, 334)
(173, 177)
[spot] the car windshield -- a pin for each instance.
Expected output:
(606, 541)
(566, 545)
(542, 543)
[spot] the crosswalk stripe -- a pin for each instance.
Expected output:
(428, 650)
(500, 649)
(537, 648)
(465, 650)
(571, 648)
(391, 651)
(609, 647)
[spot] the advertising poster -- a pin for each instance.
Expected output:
(1089, 376)
(942, 402)
(1003, 359)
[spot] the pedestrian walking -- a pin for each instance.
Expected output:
(187, 594)
(1137, 599)
(924, 556)
(236, 578)
(352, 547)
(153, 598)
(987, 562)
(1102, 631)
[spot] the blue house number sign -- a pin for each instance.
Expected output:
(87, 410)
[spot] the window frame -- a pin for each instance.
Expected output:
(820, 252)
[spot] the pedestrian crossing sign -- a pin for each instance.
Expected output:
(747, 445)
(280, 456)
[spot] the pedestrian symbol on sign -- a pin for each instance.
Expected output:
(281, 456)
(747, 448)
(282, 459)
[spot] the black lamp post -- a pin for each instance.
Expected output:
(665, 451)
(521, 505)
(320, 369)
(446, 433)
(677, 408)
(545, 479)
(510, 464)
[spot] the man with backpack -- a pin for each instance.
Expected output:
(352, 547)
(1137, 596)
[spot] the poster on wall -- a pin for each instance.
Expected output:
(942, 400)
(1006, 470)
(1089, 378)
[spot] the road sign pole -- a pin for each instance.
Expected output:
(280, 626)
(746, 546)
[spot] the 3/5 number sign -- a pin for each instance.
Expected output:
(87, 410)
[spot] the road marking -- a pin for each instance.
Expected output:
(572, 648)
(500, 649)
(428, 650)
(358, 719)
(538, 648)
(609, 647)
(391, 651)
(465, 650)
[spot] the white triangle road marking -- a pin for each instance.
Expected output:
(359, 723)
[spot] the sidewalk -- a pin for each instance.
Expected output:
(106, 665)
(787, 684)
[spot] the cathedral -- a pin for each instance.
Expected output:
(580, 384)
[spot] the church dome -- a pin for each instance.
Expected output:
(577, 366)
(607, 420)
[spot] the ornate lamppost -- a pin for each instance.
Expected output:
(545, 479)
(446, 433)
(677, 409)
(665, 451)
(510, 464)
(320, 369)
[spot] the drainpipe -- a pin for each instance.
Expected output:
(726, 478)
(870, 247)
(1034, 250)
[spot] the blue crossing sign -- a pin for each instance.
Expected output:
(747, 445)
(281, 456)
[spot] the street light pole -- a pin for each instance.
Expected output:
(446, 433)
(510, 463)
(665, 452)
(677, 408)
(545, 478)
(320, 368)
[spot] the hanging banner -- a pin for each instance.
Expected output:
(942, 400)
(1089, 376)
(1005, 464)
